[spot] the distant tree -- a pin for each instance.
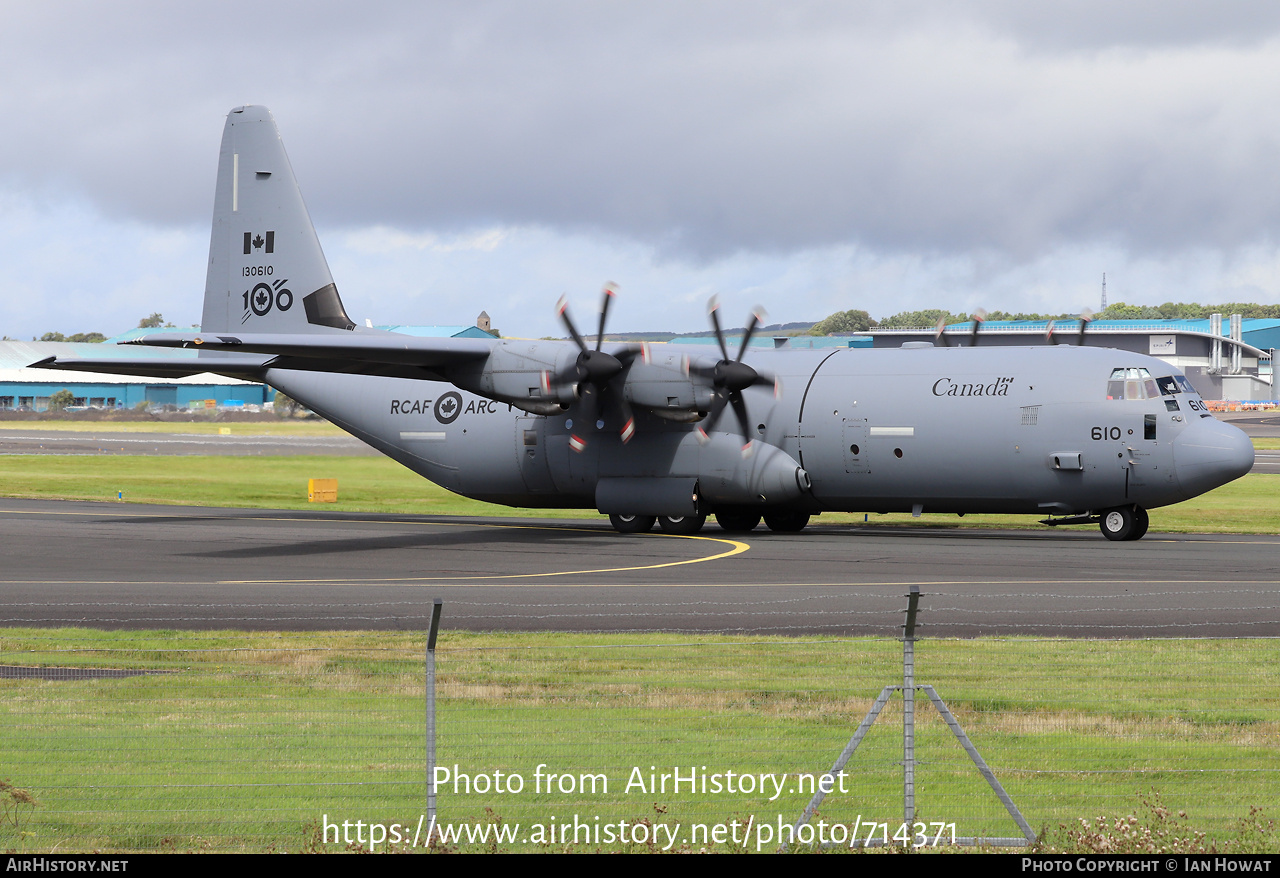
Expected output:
(843, 321)
(60, 400)
(919, 319)
(1124, 311)
(154, 321)
(284, 406)
(1008, 315)
(92, 337)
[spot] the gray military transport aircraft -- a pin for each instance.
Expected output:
(1078, 434)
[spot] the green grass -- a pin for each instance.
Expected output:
(259, 735)
(374, 484)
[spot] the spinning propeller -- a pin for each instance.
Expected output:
(1086, 317)
(729, 378)
(594, 374)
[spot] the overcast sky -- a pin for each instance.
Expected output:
(808, 157)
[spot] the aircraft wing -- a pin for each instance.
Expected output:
(399, 356)
(249, 368)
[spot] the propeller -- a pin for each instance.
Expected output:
(593, 375)
(978, 317)
(940, 331)
(1086, 317)
(729, 377)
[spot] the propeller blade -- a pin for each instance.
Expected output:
(622, 410)
(941, 329)
(719, 400)
(756, 316)
(609, 292)
(713, 307)
(562, 307)
(744, 423)
(1086, 317)
(587, 416)
(977, 318)
(1048, 333)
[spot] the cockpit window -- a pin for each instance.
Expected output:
(1168, 386)
(1131, 384)
(1184, 384)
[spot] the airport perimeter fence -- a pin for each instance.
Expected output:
(640, 741)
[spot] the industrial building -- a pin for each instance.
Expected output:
(27, 389)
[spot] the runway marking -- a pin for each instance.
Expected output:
(817, 529)
(736, 547)
(412, 582)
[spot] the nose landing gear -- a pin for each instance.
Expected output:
(1124, 523)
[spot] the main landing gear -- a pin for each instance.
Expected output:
(1124, 523)
(732, 520)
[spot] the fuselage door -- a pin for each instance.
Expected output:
(532, 452)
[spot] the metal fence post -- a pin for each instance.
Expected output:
(909, 709)
(431, 717)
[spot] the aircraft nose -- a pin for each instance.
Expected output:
(1209, 453)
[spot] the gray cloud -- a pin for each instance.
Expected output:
(706, 129)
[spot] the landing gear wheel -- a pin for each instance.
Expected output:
(1140, 522)
(632, 524)
(785, 521)
(1124, 523)
(681, 524)
(737, 521)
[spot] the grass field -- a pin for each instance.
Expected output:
(256, 737)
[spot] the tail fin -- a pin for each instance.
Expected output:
(267, 272)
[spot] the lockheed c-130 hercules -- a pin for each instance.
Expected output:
(641, 432)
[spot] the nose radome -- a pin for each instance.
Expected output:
(1209, 453)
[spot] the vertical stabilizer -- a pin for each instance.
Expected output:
(267, 272)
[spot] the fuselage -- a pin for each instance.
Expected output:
(1040, 430)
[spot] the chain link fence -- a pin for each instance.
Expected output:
(142, 741)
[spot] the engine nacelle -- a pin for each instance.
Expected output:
(657, 381)
(517, 372)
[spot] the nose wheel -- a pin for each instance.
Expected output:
(1124, 523)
